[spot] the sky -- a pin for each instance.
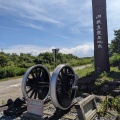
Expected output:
(36, 26)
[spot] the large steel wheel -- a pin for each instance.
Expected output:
(35, 83)
(61, 87)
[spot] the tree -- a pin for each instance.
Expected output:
(114, 47)
(3, 60)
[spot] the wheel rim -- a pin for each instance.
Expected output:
(62, 93)
(35, 83)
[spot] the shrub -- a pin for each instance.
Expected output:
(20, 71)
(11, 71)
(2, 73)
(115, 59)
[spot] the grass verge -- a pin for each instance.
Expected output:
(10, 78)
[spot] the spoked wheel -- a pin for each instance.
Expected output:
(62, 93)
(35, 83)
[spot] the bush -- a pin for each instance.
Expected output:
(11, 71)
(2, 73)
(49, 67)
(115, 59)
(20, 71)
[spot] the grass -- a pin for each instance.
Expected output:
(10, 78)
(84, 72)
(89, 72)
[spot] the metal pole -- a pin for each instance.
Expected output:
(55, 58)
(55, 52)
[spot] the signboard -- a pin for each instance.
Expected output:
(35, 106)
(101, 57)
(87, 108)
(55, 51)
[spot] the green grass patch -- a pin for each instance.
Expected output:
(104, 76)
(11, 78)
(84, 72)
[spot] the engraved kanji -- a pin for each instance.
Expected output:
(98, 16)
(99, 46)
(99, 37)
(99, 27)
(100, 42)
(99, 32)
(98, 22)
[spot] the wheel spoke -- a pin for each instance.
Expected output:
(36, 72)
(33, 75)
(62, 75)
(40, 95)
(59, 84)
(42, 78)
(29, 90)
(32, 93)
(28, 83)
(65, 70)
(35, 95)
(59, 89)
(59, 76)
(39, 72)
(43, 73)
(43, 84)
(68, 95)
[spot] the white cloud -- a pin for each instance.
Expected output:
(73, 15)
(113, 17)
(59, 12)
(29, 10)
(11, 28)
(80, 51)
(34, 26)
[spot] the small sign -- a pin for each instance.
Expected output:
(35, 106)
(55, 51)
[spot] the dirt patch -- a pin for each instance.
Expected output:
(10, 90)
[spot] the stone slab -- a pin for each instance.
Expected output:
(87, 108)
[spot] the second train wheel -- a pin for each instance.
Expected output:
(35, 83)
(61, 91)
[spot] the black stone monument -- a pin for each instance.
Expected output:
(101, 57)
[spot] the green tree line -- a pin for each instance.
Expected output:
(16, 65)
(114, 49)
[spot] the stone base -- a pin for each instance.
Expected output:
(34, 117)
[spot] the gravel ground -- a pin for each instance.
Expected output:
(10, 90)
(49, 111)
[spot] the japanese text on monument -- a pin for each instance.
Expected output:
(99, 31)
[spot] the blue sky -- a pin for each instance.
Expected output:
(35, 26)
